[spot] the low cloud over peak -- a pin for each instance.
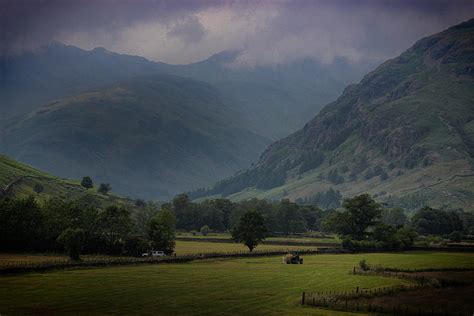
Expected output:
(266, 32)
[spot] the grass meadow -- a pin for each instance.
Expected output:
(182, 248)
(250, 286)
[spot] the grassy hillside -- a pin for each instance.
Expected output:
(21, 180)
(254, 286)
(151, 136)
(403, 134)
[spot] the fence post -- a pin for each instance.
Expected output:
(302, 298)
(357, 290)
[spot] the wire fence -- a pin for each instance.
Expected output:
(365, 300)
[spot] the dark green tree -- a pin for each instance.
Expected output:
(250, 230)
(21, 224)
(114, 227)
(162, 231)
(73, 241)
(394, 217)
(205, 230)
(104, 188)
(87, 182)
(361, 212)
(38, 188)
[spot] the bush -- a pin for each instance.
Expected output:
(73, 241)
(87, 183)
(38, 188)
(104, 188)
(363, 265)
(455, 236)
(205, 230)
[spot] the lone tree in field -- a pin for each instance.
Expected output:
(73, 240)
(87, 183)
(104, 188)
(162, 231)
(250, 230)
(38, 188)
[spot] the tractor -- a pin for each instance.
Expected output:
(292, 258)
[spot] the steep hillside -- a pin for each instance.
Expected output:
(405, 134)
(18, 179)
(151, 137)
(275, 99)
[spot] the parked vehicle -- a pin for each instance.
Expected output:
(153, 253)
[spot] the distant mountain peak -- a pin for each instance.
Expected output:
(223, 57)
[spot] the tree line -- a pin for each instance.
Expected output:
(81, 227)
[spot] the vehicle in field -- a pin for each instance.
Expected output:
(153, 253)
(292, 258)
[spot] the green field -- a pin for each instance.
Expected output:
(182, 248)
(193, 247)
(305, 239)
(231, 286)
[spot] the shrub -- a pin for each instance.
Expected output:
(364, 265)
(87, 183)
(104, 188)
(205, 230)
(73, 240)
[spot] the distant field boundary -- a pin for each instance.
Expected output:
(265, 242)
(25, 267)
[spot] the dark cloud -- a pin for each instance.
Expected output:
(180, 31)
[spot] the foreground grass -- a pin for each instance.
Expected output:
(240, 286)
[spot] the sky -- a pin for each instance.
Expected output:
(266, 32)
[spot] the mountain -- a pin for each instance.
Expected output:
(17, 179)
(405, 134)
(276, 99)
(151, 136)
(30, 80)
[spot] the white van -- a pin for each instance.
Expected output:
(153, 253)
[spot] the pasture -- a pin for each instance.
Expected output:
(227, 286)
(182, 248)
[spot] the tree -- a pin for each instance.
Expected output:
(21, 224)
(87, 183)
(115, 225)
(38, 188)
(361, 212)
(394, 217)
(73, 241)
(104, 188)
(162, 231)
(250, 230)
(205, 230)
(432, 221)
